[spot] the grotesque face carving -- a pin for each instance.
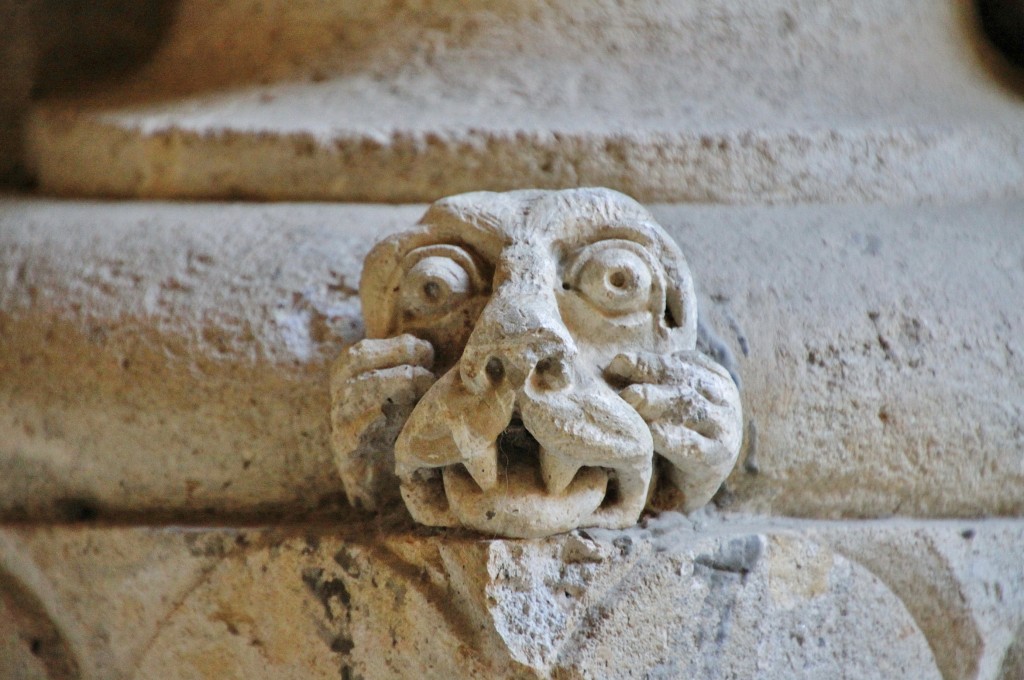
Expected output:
(536, 351)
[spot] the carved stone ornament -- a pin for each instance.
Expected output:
(530, 367)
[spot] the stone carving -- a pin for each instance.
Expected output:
(531, 367)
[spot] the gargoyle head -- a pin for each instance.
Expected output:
(527, 297)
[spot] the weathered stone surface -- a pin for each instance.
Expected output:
(160, 362)
(174, 358)
(710, 597)
(90, 601)
(964, 588)
(531, 367)
(191, 360)
(781, 100)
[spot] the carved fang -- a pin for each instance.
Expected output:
(556, 472)
(483, 468)
(478, 455)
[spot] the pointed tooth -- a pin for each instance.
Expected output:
(557, 472)
(479, 455)
(483, 467)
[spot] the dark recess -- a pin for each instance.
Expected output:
(83, 41)
(51, 47)
(1003, 24)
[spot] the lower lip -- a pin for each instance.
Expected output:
(519, 506)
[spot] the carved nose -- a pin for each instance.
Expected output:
(540, 355)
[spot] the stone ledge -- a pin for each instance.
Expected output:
(759, 598)
(171, 359)
(737, 102)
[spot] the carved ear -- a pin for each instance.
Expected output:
(680, 300)
(377, 283)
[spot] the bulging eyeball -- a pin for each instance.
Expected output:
(437, 280)
(613, 276)
(434, 283)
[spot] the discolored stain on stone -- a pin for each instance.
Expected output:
(739, 556)
(346, 561)
(331, 592)
(205, 544)
(342, 645)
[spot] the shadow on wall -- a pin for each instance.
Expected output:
(1003, 24)
(995, 31)
(60, 45)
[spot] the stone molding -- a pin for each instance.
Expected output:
(187, 347)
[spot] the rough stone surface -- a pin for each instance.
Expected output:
(167, 358)
(171, 363)
(181, 365)
(530, 368)
(709, 597)
(780, 100)
(964, 588)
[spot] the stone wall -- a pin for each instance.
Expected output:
(846, 180)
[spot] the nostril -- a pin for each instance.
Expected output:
(495, 369)
(550, 374)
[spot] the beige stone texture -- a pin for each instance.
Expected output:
(946, 576)
(183, 364)
(707, 597)
(845, 177)
(726, 102)
(173, 358)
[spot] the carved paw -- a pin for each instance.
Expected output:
(374, 386)
(693, 410)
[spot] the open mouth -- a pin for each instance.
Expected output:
(523, 483)
(517, 446)
(521, 503)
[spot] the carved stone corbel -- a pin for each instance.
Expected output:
(530, 358)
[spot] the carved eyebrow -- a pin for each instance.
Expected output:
(455, 219)
(483, 240)
(607, 231)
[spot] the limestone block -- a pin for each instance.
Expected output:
(724, 101)
(161, 358)
(531, 367)
(707, 597)
(174, 359)
(87, 603)
(964, 588)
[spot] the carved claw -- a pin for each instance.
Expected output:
(374, 385)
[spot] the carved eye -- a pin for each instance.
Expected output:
(437, 279)
(613, 275)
